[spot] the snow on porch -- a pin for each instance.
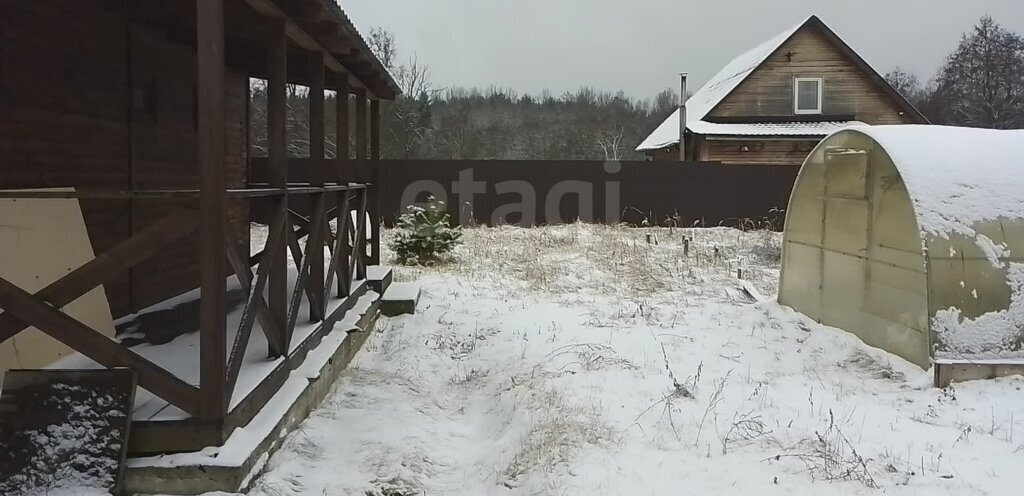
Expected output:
(180, 355)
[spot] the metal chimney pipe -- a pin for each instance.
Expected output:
(682, 116)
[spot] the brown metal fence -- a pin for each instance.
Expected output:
(529, 192)
(553, 192)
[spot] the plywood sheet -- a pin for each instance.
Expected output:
(42, 240)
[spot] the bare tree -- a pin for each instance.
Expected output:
(666, 102)
(382, 44)
(906, 84)
(407, 119)
(981, 83)
(611, 143)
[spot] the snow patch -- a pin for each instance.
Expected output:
(992, 251)
(954, 188)
(992, 335)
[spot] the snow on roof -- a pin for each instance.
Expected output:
(666, 134)
(956, 177)
(734, 73)
(821, 129)
(716, 89)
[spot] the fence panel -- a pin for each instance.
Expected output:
(531, 192)
(553, 192)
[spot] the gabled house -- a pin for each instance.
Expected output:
(774, 103)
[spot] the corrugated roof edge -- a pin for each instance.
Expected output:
(350, 29)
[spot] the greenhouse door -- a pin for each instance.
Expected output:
(845, 237)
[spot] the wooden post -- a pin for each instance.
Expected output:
(212, 199)
(343, 170)
(316, 119)
(377, 176)
(318, 164)
(362, 176)
(343, 166)
(277, 160)
(682, 116)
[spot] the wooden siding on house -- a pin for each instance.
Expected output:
(848, 89)
(63, 117)
(759, 152)
(88, 101)
(165, 155)
(731, 151)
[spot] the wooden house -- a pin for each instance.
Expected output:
(136, 112)
(774, 103)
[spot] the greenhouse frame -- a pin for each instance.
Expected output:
(912, 238)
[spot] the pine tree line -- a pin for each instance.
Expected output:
(487, 124)
(980, 84)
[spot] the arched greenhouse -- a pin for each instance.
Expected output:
(912, 238)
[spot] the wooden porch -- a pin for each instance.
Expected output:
(306, 42)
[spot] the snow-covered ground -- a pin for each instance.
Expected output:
(581, 359)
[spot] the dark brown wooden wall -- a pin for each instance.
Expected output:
(88, 101)
(164, 154)
(759, 152)
(63, 110)
(848, 90)
(756, 152)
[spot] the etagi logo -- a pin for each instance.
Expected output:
(467, 187)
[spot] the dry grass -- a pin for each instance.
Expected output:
(558, 434)
(572, 261)
(832, 456)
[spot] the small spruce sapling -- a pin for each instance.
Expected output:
(424, 234)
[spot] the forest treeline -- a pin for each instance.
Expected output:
(980, 84)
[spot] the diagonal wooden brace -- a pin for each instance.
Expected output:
(125, 255)
(338, 255)
(302, 280)
(303, 230)
(357, 265)
(255, 305)
(32, 311)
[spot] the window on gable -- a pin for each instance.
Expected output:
(807, 95)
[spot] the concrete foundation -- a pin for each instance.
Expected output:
(144, 478)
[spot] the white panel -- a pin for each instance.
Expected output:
(43, 240)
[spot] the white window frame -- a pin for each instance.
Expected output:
(796, 95)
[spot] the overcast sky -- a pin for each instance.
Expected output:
(640, 46)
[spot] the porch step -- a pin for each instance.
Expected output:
(379, 277)
(400, 299)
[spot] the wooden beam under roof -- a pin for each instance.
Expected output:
(300, 37)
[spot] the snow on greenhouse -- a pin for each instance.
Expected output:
(912, 238)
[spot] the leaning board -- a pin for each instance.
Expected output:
(42, 240)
